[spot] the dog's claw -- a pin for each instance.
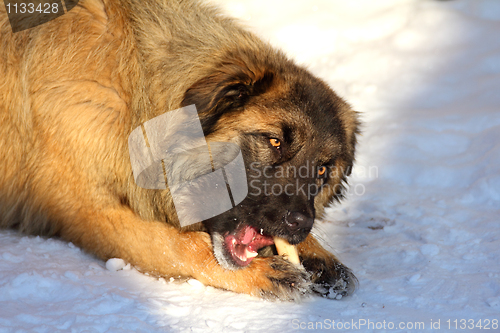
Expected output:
(288, 281)
(330, 279)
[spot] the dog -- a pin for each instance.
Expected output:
(73, 90)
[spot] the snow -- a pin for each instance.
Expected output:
(419, 227)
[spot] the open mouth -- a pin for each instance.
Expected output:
(244, 244)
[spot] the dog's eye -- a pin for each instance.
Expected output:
(322, 172)
(275, 143)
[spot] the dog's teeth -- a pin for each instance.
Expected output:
(286, 249)
(251, 254)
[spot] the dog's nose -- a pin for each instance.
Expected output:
(297, 220)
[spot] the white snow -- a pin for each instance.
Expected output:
(115, 264)
(420, 228)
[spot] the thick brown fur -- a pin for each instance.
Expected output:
(73, 89)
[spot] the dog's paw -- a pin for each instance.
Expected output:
(330, 278)
(281, 280)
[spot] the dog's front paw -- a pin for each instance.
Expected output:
(281, 279)
(329, 277)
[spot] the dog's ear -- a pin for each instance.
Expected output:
(352, 131)
(228, 89)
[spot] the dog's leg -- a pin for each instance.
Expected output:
(329, 277)
(161, 250)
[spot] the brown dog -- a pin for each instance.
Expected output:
(74, 89)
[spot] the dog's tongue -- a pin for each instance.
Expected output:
(243, 245)
(249, 234)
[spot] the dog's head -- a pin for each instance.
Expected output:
(297, 138)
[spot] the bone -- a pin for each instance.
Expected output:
(286, 249)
